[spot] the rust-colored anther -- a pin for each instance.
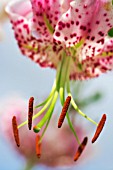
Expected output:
(30, 112)
(38, 146)
(15, 131)
(64, 111)
(99, 128)
(81, 148)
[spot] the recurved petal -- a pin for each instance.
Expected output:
(91, 67)
(100, 24)
(74, 24)
(19, 13)
(42, 52)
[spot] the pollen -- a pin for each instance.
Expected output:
(15, 131)
(64, 111)
(99, 128)
(81, 148)
(38, 146)
(30, 112)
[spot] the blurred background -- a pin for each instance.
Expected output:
(19, 75)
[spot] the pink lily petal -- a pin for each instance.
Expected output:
(74, 24)
(88, 22)
(91, 68)
(65, 5)
(45, 11)
(101, 22)
(94, 66)
(20, 13)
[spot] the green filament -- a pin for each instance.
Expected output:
(76, 107)
(48, 113)
(62, 95)
(62, 79)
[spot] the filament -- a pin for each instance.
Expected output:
(81, 148)
(99, 128)
(76, 107)
(15, 131)
(47, 115)
(64, 111)
(30, 112)
(38, 146)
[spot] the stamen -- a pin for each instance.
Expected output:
(38, 146)
(81, 148)
(15, 131)
(99, 128)
(36, 129)
(64, 111)
(30, 112)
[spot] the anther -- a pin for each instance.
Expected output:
(30, 112)
(99, 128)
(15, 131)
(81, 148)
(64, 111)
(38, 146)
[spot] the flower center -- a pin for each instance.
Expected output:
(60, 86)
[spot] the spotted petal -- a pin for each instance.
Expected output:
(101, 22)
(87, 21)
(74, 24)
(65, 5)
(45, 16)
(20, 13)
(91, 68)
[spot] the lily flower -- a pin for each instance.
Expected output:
(72, 38)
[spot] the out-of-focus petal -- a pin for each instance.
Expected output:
(51, 155)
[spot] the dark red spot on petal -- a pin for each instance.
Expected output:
(57, 34)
